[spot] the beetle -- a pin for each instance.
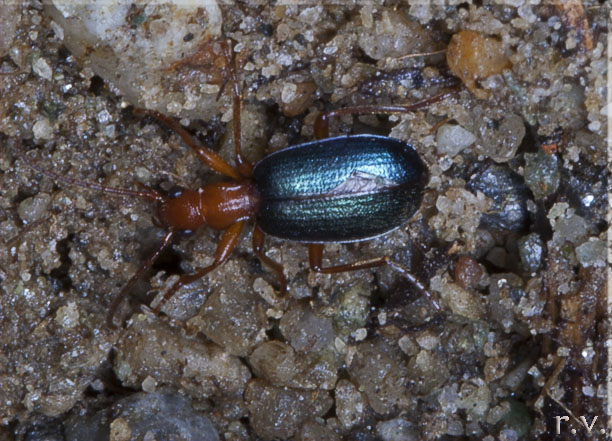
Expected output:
(343, 189)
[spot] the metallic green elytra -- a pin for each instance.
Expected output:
(342, 189)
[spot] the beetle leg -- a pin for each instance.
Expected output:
(244, 166)
(128, 286)
(315, 257)
(206, 155)
(258, 248)
(228, 241)
(321, 125)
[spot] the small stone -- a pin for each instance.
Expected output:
(592, 253)
(315, 431)
(509, 193)
(149, 384)
(354, 308)
(10, 13)
(468, 272)
(68, 316)
(34, 208)
(542, 174)
(42, 129)
(393, 36)
(288, 93)
(594, 126)
(120, 430)
(531, 252)
(380, 372)
(497, 256)
(427, 371)
(149, 349)
(459, 213)
(475, 399)
(162, 414)
(429, 342)
(567, 226)
(340, 345)
(305, 330)
(275, 361)
(397, 429)
(460, 301)
(278, 413)
(233, 318)
(499, 140)
(297, 97)
(350, 404)
(360, 334)
(103, 116)
(42, 69)
(407, 345)
(505, 290)
(451, 139)
(517, 422)
(473, 56)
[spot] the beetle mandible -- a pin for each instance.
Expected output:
(343, 189)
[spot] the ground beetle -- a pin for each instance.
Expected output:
(343, 189)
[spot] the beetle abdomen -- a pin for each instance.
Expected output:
(341, 189)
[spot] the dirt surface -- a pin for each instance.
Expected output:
(510, 238)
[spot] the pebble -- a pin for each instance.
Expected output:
(241, 324)
(163, 414)
(305, 330)
(314, 431)
(42, 129)
(500, 140)
(567, 225)
(468, 272)
(144, 416)
(592, 253)
(473, 56)
(137, 62)
(451, 139)
(354, 308)
(397, 429)
(350, 404)
(9, 19)
(380, 371)
(68, 316)
(475, 399)
(509, 194)
(531, 252)
(42, 69)
(275, 361)
(34, 208)
(542, 174)
(278, 412)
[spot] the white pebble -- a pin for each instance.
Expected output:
(452, 139)
(149, 384)
(592, 253)
(594, 126)
(42, 68)
(68, 316)
(42, 129)
(289, 92)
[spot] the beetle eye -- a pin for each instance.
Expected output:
(175, 192)
(186, 233)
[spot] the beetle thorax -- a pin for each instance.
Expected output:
(225, 203)
(183, 212)
(217, 205)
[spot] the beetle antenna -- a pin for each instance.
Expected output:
(148, 193)
(421, 54)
